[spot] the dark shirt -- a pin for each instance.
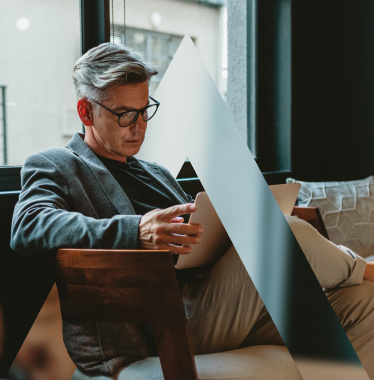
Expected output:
(144, 193)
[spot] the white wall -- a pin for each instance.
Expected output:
(36, 65)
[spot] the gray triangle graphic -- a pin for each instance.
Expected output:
(193, 121)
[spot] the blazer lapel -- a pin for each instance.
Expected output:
(109, 184)
(104, 178)
(159, 177)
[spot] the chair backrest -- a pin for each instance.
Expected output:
(25, 283)
(130, 286)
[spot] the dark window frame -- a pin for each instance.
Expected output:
(273, 82)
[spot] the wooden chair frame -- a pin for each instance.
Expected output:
(129, 286)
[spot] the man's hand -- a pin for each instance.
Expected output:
(161, 229)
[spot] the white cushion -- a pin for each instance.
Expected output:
(347, 210)
(255, 362)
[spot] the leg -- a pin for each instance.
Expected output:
(263, 332)
(354, 307)
(223, 305)
(332, 265)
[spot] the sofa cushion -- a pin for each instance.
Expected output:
(347, 210)
(255, 362)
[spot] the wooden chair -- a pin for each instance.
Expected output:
(26, 282)
(129, 286)
(141, 286)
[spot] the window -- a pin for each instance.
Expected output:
(39, 51)
(156, 47)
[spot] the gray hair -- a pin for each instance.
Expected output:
(108, 65)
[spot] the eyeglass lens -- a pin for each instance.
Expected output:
(129, 117)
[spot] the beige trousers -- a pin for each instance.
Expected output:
(224, 309)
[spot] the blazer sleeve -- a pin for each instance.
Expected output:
(42, 220)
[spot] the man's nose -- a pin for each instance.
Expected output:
(140, 124)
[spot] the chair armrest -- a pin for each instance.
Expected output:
(107, 283)
(131, 286)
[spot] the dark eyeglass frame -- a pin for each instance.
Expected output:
(141, 111)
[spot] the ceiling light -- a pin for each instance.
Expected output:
(23, 23)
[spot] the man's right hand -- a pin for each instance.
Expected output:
(162, 229)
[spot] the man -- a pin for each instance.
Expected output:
(95, 194)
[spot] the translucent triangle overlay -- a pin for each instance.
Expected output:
(193, 121)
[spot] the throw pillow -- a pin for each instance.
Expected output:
(347, 209)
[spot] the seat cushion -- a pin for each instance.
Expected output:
(255, 362)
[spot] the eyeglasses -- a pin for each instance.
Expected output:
(125, 119)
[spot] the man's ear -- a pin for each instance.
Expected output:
(84, 108)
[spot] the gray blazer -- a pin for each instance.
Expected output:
(70, 199)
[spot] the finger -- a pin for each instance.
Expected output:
(183, 239)
(178, 219)
(160, 240)
(182, 229)
(183, 250)
(173, 211)
(175, 249)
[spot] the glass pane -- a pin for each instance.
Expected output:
(40, 41)
(136, 39)
(158, 45)
(157, 27)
